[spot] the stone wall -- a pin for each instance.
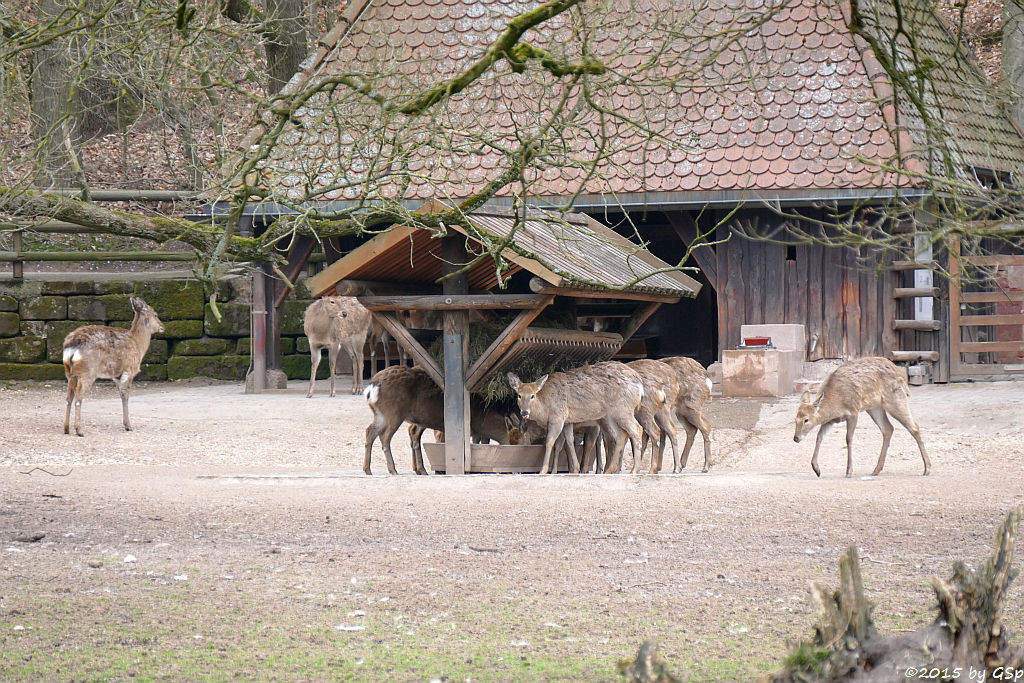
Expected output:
(36, 315)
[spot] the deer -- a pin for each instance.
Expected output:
(399, 394)
(99, 352)
(335, 323)
(657, 411)
(872, 385)
(694, 393)
(607, 393)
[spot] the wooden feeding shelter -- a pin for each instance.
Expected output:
(572, 260)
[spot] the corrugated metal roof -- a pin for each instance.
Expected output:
(574, 250)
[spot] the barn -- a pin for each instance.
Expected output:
(788, 170)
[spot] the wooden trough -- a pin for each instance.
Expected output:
(492, 458)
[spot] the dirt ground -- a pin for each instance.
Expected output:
(234, 536)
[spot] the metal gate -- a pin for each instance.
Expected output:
(986, 313)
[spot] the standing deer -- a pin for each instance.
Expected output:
(400, 394)
(694, 393)
(99, 352)
(608, 393)
(656, 413)
(333, 323)
(873, 385)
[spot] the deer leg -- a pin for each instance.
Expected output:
(123, 385)
(372, 432)
(569, 434)
(902, 414)
(554, 432)
(385, 442)
(822, 431)
(355, 354)
(314, 356)
(851, 424)
(83, 386)
(705, 431)
(589, 449)
(691, 432)
(72, 383)
(415, 437)
(880, 419)
(332, 359)
(667, 425)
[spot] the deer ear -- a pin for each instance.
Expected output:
(807, 396)
(513, 381)
(540, 382)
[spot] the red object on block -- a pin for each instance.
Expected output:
(756, 341)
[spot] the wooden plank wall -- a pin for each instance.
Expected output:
(846, 303)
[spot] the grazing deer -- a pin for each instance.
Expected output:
(873, 385)
(400, 394)
(608, 393)
(656, 413)
(333, 323)
(100, 352)
(694, 393)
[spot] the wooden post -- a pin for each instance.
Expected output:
(273, 328)
(456, 351)
(259, 332)
(19, 272)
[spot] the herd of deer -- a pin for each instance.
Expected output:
(605, 403)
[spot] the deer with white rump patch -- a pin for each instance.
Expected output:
(334, 323)
(99, 352)
(402, 394)
(607, 393)
(873, 385)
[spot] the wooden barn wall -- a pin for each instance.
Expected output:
(846, 303)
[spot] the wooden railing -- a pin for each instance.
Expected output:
(17, 257)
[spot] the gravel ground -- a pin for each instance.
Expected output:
(236, 536)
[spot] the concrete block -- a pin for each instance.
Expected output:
(759, 372)
(784, 337)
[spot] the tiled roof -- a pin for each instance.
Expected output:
(790, 103)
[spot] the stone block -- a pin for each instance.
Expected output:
(201, 347)
(173, 299)
(784, 337)
(44, 308)
(157, 352)
(10, 324)
(33, 328)
(152, 372)
(243, 345)
(23, 350)
(217, 367)
(181, 329)
(66, 287)
(113, 287)
(759, 372)
(8, 303)
(273, 379)
(302, 345)
(34, 371)
(234, 320)
(287, 345)
(101, 307)
(291, 314)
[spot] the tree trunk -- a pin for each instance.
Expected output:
(1013, 56)
(51, 117)
(286, 52)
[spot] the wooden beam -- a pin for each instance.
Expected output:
(920, 325)
(541, 287)
(323, 281)
(994, 319)
(390, 322)
(914, 265)
(908, 292)
(480, 370)
(298, 255)
(990, 297)
(987, 347)
(457, 424)
(452, 302)
(911, 356)
(995, 260)
(687, 231)
(637, 319)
